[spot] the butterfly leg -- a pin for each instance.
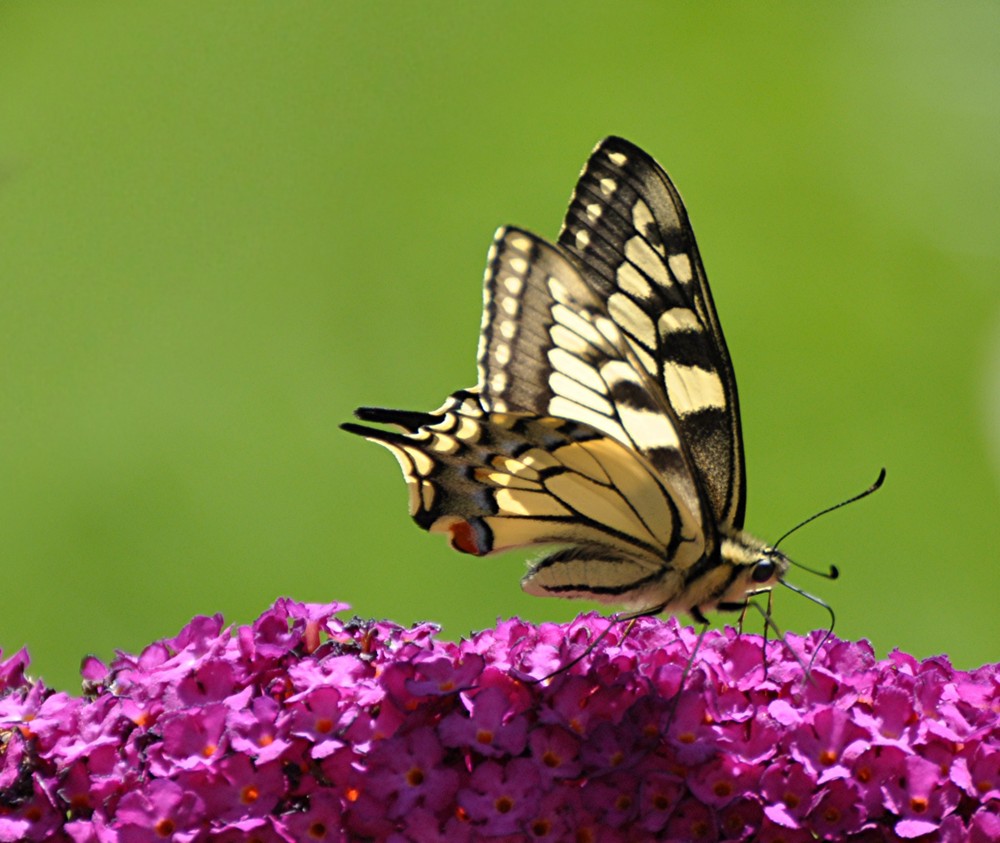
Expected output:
(631, 618)
(767, 627)
(612, 622)
(743, 615)
(698, 616)
(687, 667)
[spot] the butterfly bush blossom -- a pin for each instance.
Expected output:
(303, 727)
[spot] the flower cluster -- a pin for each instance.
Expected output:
(305, 727)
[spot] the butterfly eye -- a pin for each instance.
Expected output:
(762, 571)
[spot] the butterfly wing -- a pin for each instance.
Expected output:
(494, 481)
(628, 227)
(605, 419)
(549, 347)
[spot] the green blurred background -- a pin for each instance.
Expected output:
(225, 225)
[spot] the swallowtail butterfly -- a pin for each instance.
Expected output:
(605, 421)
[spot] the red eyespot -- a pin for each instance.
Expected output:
(464, 538)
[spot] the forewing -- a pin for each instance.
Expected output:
(549, 347)
(628, 227)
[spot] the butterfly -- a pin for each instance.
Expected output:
(605, 421)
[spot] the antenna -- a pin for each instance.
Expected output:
(873, 488)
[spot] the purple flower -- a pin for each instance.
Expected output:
(190, 739)
(838, 811)
(823, 741)
(692, 820)
(443, 675)
(489, 726)
(555, 752)
(162, 810)
(921, 796)
(411, 772)
(978, 773)
(789, 791)
(316, 716)
(659, 794)
(500, 799)
(238, 789)
(301, 726)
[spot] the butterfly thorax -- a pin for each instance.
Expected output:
(740, 566)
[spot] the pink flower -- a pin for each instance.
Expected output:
(162, 810)
(499, 798)
(489, 728)
(301, 726)
(410, 771)
(920, 796)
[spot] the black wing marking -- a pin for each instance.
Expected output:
(628, 227)
(496, 481)
(549, 347)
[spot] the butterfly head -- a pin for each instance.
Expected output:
(753, 567)
(769, 569)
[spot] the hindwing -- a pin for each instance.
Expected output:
(493, 481)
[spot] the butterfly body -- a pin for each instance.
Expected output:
(605, 420)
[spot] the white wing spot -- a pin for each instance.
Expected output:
(508, 328)
(619, 159)
(426, 494)
(692, 388)
(498, 383)
(680, 266)
(618, 371)
(631, 281)
(510, 306)
(571, 390)
(642, 217)
(535, 504)
(563, 337)
(558, 290)
(421, 463)
(648, 429)
(632, 318)
(539, 459)
(447, 423)
(565, 409)
(608, 186)
(519, 265)
(521, 243)
(582, 239)
(610, 331)
(647, 359)
(678, 319)
(502, 353)
(594, 212)
(513, 284)
(575, 368)
(578, 325)
(441, 444)
(637, 250)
